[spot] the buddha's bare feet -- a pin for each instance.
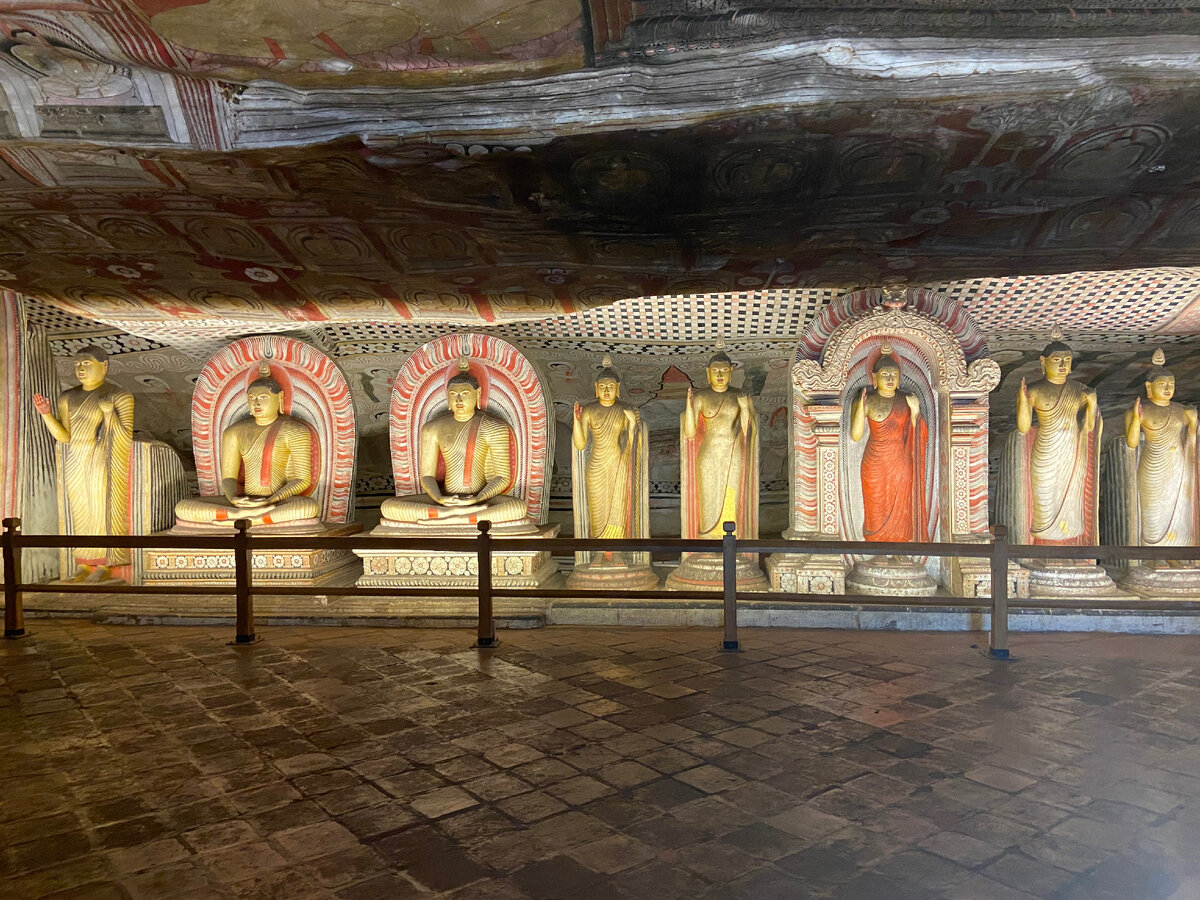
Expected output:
(81, 574)
(98, 574)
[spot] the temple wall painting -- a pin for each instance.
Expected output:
(661, 345)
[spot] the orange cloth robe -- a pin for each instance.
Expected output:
(893, 477)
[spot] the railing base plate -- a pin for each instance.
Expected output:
(486, 643)
(15, 634)
(998, 654)
(731, 647)
(245, 640)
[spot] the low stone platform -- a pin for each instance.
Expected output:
(214, 568)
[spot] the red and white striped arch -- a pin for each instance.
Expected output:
(314, 391)
(511, 390)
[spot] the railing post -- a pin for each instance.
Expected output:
(242, 561)
(729, 570)
(486, 634)
(998, 648)
(14, 613)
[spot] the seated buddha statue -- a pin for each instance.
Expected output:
(266, 467)
(466, 466)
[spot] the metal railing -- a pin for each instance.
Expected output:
(242, 543)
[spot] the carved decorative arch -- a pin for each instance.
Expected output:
(314, 391)
(511, 389)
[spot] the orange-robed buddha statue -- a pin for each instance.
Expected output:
(893, 462)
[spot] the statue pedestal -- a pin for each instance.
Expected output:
(890, 576)
(1182, 583)
(972, 576)
(617, 574)
(434, 569)
(807, 573)
(303, 568)
(706, 572)
(1054, 578)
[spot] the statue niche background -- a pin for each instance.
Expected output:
(943, 362)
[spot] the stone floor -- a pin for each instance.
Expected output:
(141, 762)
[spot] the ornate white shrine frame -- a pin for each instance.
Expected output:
(930, 333)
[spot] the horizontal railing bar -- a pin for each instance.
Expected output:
(470, 545)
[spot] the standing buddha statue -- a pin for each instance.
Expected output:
(95, 423)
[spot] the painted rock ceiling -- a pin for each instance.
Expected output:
(221, 167)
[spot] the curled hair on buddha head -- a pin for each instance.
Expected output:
(607, 371)
(99, 354)
(1159, 368)
(463, 375)
(886, 359)
(1056, 344)
(264, 379)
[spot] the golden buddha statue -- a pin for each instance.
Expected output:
(95, 422)
(266, 466)
(893, 463)
(1061, 462)
(611, 469)
(1164, 433)
(474, 450)
(719, 461)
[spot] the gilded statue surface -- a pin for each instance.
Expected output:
(893, 462)
(267, 467)
(466, 466)
(1163, 433)
(609, 466)
(1061, 459)
(95, 423)
(719, 457)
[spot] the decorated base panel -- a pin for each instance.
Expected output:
(973, 578)
(706, 572)
(896, 576)
(278, 567)
(1182, 583)
(431, 568)
(804, 573)
(1052, 579)
(615, 576)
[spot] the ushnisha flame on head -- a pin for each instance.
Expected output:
(265, 379)
(607, 371)
(886, 359)
(1056, 344)
(463, 375)
(1158, 368)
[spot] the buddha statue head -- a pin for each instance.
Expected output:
(264, 396)
(462, 392)
(608, 383)
(885, 374)
(1056, 358)
(1160, 381)
(719, 369)
(91, 366)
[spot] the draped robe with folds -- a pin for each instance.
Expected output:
(1060, 470)
(1166, 480)
(893, 476)
(609, 472)
(720, 469)
(96, 469)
